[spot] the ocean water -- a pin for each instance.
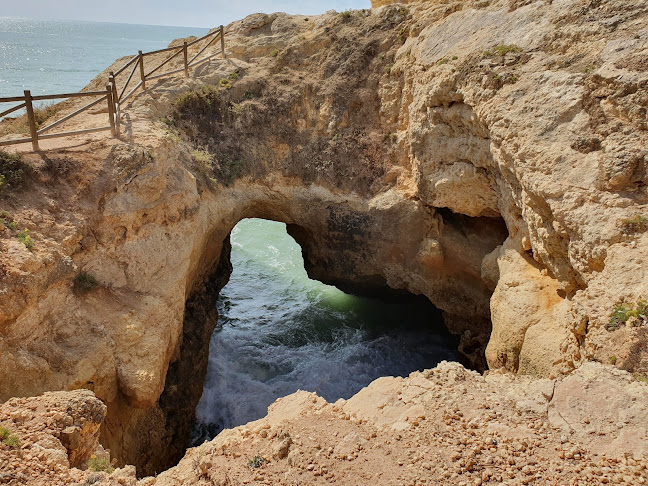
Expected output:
(57, 56)
(280, 332)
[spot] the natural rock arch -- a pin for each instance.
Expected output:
(396, 143)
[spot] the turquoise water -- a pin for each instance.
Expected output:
(50, 56)
(280, 332)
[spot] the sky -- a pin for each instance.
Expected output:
(187, 13)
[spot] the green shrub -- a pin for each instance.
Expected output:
(99, 465)
(21, 124)
(5, 219)
(224, 83)
(84, 282)
(25, 238)
(237, 108)
(228, 169)
(640, 377)
(257, 461)
(12, 441)
(13, 169)
(347, 14)
(197, 102)
(9, 439)
(201, 156)
(634, 225)
(502, 50)
(624, 311)
(274, 53)
(613, 360)
(590, 68)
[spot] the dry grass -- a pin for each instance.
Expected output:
(20, 125)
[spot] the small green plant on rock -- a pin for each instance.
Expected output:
(590, 68)
(12, 441)
(501, 50)
(640, 377)
(274, 53)
(6, 220)
(25, 238)
(237, 108)
(204, 162)
(84, 282)
(224, 83)
(623, 312)
(257, 462)
(613, 360)
(99, 464)
(634, 225)
(9, 439)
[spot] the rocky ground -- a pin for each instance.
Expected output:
(443, 426)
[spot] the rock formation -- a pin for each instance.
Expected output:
(488, 155)
(587, 428)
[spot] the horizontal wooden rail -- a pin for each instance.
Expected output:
(160, 51)
(204, 36)
(113, 97)
(68, 95)
(12, 99)
(13, 142)
(75, 132)
(157, 76)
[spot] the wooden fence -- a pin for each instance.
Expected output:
(113, 96)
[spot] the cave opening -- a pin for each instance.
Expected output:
(279, 331)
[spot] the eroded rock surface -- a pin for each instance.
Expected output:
(447, 425)
(57, 435)
(483, 154)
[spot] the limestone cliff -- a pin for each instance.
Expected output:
(488, 155)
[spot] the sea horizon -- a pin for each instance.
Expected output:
(11, 17)
(56, 56)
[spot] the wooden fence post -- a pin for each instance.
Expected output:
(115, 100)
(222, 36)
(32, 120)
(111, 108)
(186, 55)
(142, 75)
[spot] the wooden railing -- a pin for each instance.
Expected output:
(36, 134)
(114, 97)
